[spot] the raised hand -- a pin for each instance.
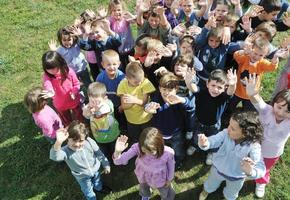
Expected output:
(121, 143)
(102, 13)
(247, 23)
(161, 70)
(77, 22)
(75, 31)
(190, 75)
(247, 165)
(255, 11)
(160, 10)
(87, 27)
(282, 53)
(226, 36)
(151, 107)
(61, 135)
(129, 16)
(90, 13)
(179, 30)
(232, 77)
(193, 30)
(52, 45)
(211, 23)
(235, 2)
(46, 94)
(252, 85)
(144, 6)
(202, 3)
(202, 140)
(150, 58)
(164, 51)
(175, 99)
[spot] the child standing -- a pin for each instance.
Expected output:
(238, 157)
(154, 163)
(134, 91)
(100, 111)
(275, 119)
(62, 85)
(83, 157)
(43, 115)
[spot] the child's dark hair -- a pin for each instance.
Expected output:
(169, 81)
(281, 96)
(34, 101)
(271, 5)
(269, 28)
(216, 33)
(250, 125)
(186, 59)
(51, 60)
(219, 76)
(142, 40)
(76, 130)
(151, 139)
(65, 31)
(187, 39)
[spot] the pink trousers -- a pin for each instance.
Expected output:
(269, 163)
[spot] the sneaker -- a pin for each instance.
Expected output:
(190, 151)
(260, 190)
(145, 198)
(208, 160)
(105, 190)
(189, 135)
(203, 195)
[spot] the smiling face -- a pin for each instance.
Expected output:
(117, 12)
(154, 21)
(257, 54)
(111, 65)
(215, 88)
(76, 145)
(281, 111)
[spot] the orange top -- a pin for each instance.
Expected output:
(246, 67)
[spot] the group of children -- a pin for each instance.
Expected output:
(167, 93)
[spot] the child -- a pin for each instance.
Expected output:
(83, 157)
(111, 76)
(43, 115)
(134, 91)
(214, 99)
(154, 163)
(120, 23)
(275, 119)
(62, 85)
(100, 111)
(141, 48)
(238, 157)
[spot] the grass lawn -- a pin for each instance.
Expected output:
(25, 170)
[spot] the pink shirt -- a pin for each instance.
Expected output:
(149, 169)
(275, 135)
(62, 99)
(48, 121)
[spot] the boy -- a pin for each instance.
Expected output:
(169, 114)
(80, 146)
(213, 99)
(134, 91)
(111, 76)
(100, 111)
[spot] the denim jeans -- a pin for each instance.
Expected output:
(176, 142)
(89, 183)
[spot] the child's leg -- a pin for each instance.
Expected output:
(87, 187)
(231, 191)
(167, 193)
(269, 162)
(97, 183)
(144, 190)
(213, 181)
(121, 118)
(176, 142)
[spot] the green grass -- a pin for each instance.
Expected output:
(25, 170)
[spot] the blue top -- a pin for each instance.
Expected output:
(111, 85)
(227, 159)
(193, 19)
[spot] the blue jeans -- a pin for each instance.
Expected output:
(89, 183)
(176, 142)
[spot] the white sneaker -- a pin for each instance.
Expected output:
(208, 160)
(190, 150)
(203, 195)
(189, 135)
(260, 190)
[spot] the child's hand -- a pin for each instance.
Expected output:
(202, 140)
(46, 94)
(77, 22)
(75, 31)
(190, 75)
(255, 11)
(282, 53)
(252, 85)
(150, 58)
(87, 28)
(90, 13)
(164, 51)
(61, 135)
(211, 23)
(129, 16)
(52, 45)
(151, 107)
(160, 10)
(102, 13)
(144, 6)
(161, 70)
(175, 99)
(107, 170)
(128, 98)
(247, 23)
(286, 19)
(247, 165)
(171, 47)
(193, 30)
(179, 30)
(236, 2)
(226, 36)
(285, 43)
(121, 144)
(202, 3)
(232, 77)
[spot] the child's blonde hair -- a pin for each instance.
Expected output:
(261, 43)
(151, 139)
(97, 89)
(107, 54)
(152, 44)
(269, 28)
(169, 81)
(231, 18)
(33, 100)
(134, 70)
(113, 3)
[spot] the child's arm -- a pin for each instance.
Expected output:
(232, 81)
(56, 153)
(252, 89)
(144, 7)
(130, 99)
(163, 20)
(280, 53)
(100, 156)
(75, 83)
(191, 80)
(214, 141)
(201, 39)
(238, 7)
(151, 107)
(203, 4)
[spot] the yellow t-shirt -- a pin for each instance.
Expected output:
(136, 114)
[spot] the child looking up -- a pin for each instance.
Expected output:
(275, 119)
(81, 148)
(62, 85)
(100, 111)
(134, 91)
(154, 163)
(238, 156)
(43, 115)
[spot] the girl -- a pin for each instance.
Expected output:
(120, 23)
(275, 119)
(238, 156)
(61, 83)
(154, 164)
(43, 115)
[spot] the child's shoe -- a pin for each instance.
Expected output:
(190, 151)
(260, 190)
(203, 195)
(189, 135)
(145, 198)
(208, 160)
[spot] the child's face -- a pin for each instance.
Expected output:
(99, 33)
(257, 54)
(180, 69)
(281, 111)
(234, 130)
(231, 25)
(96, 101)
(165, 92)
(215, 88)
(168, 3)
(187, 7)
(221, 11)
(76, 145)
(269, 16)
(141, 51)
(154, 22)
(186, 48)
(214, 42)
(67, 41)
(134, 82)
(111, 65)
(53, 71)
(117, 12)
